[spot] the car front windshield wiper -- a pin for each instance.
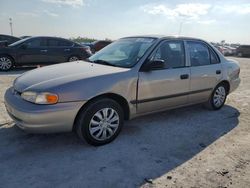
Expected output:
(103, 62)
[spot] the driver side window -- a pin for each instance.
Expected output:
(172, 53)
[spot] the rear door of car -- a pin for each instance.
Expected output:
(169, 86)
(35, 51)
(206, 70)
(59, 50)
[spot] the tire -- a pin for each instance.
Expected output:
(92, 126)
(6, 63)
(217, 98)
(73, 58)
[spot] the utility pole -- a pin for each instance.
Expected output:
(11, 29)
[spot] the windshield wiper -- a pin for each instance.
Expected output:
(103, 62)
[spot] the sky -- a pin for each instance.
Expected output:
(211, 20)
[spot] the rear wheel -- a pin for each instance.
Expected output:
(73, 58)
(6, 63)
(100, 122)
(218, 97)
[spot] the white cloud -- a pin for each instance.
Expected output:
(188, 10)
(236, 9)
(192, 10)
(50, 13)
(159, 9)
(29, 14)
(37, 13)
(206, 22)
(73, 3)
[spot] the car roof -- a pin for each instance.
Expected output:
(47, 37)
(164, 37)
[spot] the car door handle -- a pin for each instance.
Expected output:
(43, 51)
(184, 76)
(218, 72)
(66, 50)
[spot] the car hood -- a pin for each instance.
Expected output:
(56, 75)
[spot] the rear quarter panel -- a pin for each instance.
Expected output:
(231, 70)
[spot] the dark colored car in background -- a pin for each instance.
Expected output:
(243, 51)
(5, 40)
(41, 51)
(96, 45)
(25, 36)
(99, 44)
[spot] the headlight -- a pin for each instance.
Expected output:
(40, 98)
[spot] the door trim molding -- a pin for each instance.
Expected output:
(169, 96)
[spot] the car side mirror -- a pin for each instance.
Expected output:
(24, 46)
(153, 65)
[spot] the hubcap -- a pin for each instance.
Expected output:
(104, 124)
(5, 63)
(73, 58)
(219, 96)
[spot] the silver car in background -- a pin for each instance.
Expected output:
(131, 77)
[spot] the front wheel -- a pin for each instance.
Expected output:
(6, 63)
(217, 98)
(100, 122)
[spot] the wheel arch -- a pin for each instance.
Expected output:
(118, 98)
(73, 55)
(10, 56)
(226, 83)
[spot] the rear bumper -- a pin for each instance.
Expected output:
(41, 118)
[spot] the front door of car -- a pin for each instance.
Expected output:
(206, 71)
(166, 87)
(33, 51)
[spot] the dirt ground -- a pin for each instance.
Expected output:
(188, 147)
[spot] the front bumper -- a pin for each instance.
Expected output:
(36, 118)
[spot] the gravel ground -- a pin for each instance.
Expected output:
(187, 147)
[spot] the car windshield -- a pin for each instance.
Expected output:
(18, 42)
(125, 52)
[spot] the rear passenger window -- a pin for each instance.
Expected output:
(173, 54)
(59, 43)
(200, 54)
(53, 43)
(65, 43)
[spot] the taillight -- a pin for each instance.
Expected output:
(238, 72)
(87, 49)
